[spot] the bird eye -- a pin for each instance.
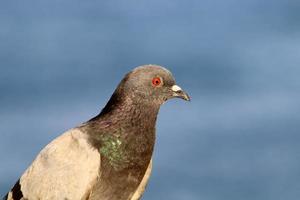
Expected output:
(156, 81)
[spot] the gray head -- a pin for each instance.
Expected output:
(152, 83)
(148, 84)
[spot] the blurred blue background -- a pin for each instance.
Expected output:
(239, 60)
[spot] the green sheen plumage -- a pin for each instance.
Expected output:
(111, 148)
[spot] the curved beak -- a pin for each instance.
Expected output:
(179, 93)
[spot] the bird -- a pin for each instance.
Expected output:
(108, 157)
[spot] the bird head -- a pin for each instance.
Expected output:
(152, 83)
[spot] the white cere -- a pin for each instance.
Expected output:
(176, 88)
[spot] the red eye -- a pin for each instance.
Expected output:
(156, 81)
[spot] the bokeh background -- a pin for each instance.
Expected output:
(239, 60)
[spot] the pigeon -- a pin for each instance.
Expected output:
(108, 157)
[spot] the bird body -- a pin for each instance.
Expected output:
(109, 156)
(72, 167)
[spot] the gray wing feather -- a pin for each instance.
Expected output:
(66, 168)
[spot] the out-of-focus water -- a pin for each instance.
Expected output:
(240, 61)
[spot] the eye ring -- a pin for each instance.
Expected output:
(156, 81)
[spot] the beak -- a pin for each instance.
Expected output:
(179, 93)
